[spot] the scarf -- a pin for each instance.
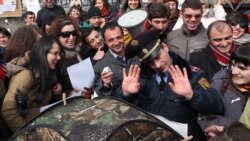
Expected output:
(243, 88)
(71, 52)
(104, 11)
(222, 58)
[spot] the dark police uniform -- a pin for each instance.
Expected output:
(166, 103)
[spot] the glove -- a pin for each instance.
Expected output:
(21, 102)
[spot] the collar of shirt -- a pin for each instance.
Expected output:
(158, 78)
(115, 55)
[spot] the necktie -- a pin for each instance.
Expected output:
(120, 59)
(162, 81)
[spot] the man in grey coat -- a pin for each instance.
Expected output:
(108, 70)
(192, 36)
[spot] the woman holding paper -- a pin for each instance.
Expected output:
(31, 88)
(68, 34)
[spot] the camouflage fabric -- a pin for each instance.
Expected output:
(39, 134)
(142, 130)
(90, 120)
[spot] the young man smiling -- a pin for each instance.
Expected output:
(192, 36)
(108, 70)
(217, 53)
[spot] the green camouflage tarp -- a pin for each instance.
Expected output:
(95, 120)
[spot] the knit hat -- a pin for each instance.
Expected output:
(47, 17)
(94, 11)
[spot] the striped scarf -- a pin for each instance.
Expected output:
(222, 58)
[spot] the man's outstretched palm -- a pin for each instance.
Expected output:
(130, 83)
(180, 85)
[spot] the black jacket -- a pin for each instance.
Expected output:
(57, 10)
(241, 7)
(205, 60)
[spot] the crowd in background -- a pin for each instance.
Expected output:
(189, 64)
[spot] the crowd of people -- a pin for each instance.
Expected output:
(190, 65)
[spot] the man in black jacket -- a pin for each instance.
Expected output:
(217, 53)
(49, 7)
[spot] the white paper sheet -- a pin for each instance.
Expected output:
(81, 75)
(181, 128)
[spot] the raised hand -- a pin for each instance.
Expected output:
(57, 88)
(99, 54)
(180, 85)
(103, 22)
(214, 130)
(87, 92)
(130, 83)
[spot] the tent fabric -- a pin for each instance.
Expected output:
(93, 120)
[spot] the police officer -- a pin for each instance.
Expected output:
(166, 85)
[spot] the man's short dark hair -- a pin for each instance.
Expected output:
(5, 32)
(110, 25)
(85, 32)
(219, 26)
(157, 10)
(28, 13)
(193, 4)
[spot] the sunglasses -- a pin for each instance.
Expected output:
(189, 16)
(241, 24)
(67, 34)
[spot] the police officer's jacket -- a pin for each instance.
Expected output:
(173, 107)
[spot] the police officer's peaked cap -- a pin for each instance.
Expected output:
(146, 46)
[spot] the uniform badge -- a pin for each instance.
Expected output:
(204, 83)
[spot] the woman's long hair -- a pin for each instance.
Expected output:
(21, 41)
(40, 67)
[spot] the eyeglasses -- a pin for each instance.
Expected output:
(67, 34)
(241, 24)
(189, 16)
(56, 53)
